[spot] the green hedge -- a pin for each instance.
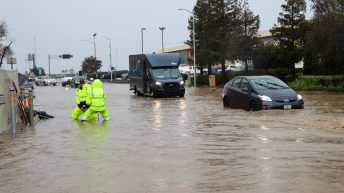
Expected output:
(282, 73)
(319, 83)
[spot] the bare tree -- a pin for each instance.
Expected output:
(5, 50)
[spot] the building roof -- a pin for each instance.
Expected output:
(176, 48)
(264, 33)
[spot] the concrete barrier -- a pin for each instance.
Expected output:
(7, 77)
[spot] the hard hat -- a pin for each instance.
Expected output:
(91, 79)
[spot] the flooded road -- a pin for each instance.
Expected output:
(177, 145)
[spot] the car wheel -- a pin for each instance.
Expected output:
(36, 83)
(225, 104)
(181, 95)
(253, 106)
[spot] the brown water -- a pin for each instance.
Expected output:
(177, 145)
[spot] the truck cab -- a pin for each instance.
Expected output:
(156, 75)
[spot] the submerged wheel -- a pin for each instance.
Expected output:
(253, 106)
(225, 104)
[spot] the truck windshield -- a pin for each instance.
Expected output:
(166, 73)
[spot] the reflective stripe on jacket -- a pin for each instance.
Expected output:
(81, 94)
(97, 98)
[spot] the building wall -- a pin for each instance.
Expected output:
(7, 77)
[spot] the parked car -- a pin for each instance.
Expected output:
(76, 81)
(66, 79)
(31, 78)
(260, 93)
(124, 76)
(45, 81)
(28, 85)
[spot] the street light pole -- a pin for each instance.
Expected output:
(110, 58)
(94, 44)
(49, 63)
(162, 38)
(142, 39)
(194, 43)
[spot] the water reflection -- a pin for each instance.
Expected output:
(189, 144)
(91, 144)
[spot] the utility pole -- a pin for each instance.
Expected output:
(110, 58)
(162, 38)
(94, 45)
(142, 29)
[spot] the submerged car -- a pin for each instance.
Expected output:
(45, 81)
(260, 93)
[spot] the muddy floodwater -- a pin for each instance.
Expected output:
(177, 145)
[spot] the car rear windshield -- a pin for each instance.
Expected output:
(268, 83)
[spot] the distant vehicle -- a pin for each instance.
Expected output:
(115, 74)
(45, 81)
(124, 76)
(260, 93)
(75, 82)
(28, 85)
(66, 79)
(156, 75)
(188, 69)
(238, 67)
(31, 78)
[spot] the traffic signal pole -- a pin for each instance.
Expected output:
(63, 56)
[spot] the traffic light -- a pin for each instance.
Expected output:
(66, 56)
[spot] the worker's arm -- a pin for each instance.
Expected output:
(77, 97)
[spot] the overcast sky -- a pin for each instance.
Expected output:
(66, 27)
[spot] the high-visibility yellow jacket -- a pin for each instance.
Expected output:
(81, 94)
(97, 96)
(88, 88)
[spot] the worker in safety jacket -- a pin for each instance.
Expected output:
(96, 100)
(81, 94)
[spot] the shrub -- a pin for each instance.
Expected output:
(325, 83)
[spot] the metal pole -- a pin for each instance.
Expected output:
(142, 39)
(194, 43)
(162, 38)
(31, 106)
(10, 61)
(94, 45)
(13, 111)
(194, 47)
(49, 63)
(110, 57)
(111, 60)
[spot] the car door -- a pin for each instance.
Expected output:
(244, 94)
(233, 96)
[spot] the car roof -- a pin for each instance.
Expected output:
(255, 77)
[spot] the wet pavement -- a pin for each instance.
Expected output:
(177, 145)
